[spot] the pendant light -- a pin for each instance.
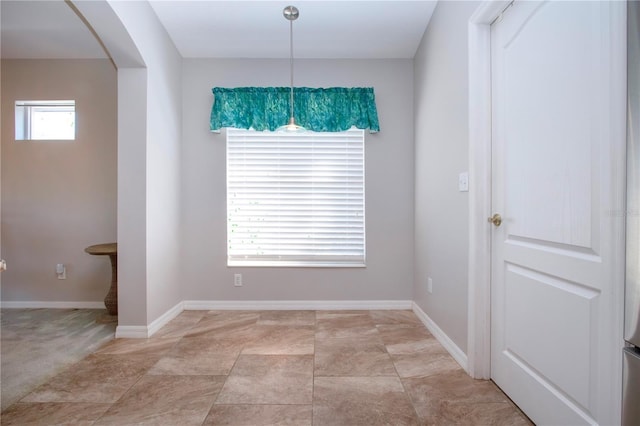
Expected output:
(291, 13)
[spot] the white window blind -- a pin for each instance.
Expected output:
(295, 199)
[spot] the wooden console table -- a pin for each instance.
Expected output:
(111, 250)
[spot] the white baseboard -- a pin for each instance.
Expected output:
(259, 305)
(132, 332)
(27, 304)
(453, 349)
(146, 331)
(163, 319)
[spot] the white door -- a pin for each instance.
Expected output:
(557, 166)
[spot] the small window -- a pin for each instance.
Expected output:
(45, 120)
(295, 199)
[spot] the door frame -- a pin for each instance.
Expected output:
(479, 278)
(479, 305)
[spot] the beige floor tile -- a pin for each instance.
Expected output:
(481, 414)
(97, 378)
(425, 346)
(149, 347)
(281, 340)
(38, 344)
(394, 334)
(165, 400)
(423, 364)
(339, 314)
(271, 367)
(180, 325)
(287, 318)
(443, 397)
(197, 356)
(259, 415)
(404, 318)
(269, 379)
(361, 401)
(345, 326)
(232, 325)
(52, 413)
(352, 357)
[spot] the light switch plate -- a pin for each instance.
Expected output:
(463, 182)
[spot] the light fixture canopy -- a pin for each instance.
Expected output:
(291, 13)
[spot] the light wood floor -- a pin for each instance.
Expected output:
(37, 344)
(259, 368)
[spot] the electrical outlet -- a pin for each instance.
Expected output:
(61, 271)
(237, 280)
(429, 285)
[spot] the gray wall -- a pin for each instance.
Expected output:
(441, 153)
(59, 197)
(149, 208)
(389, 185)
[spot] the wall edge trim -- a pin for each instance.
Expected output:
(34, 304)
(453, 349)
(255, 305)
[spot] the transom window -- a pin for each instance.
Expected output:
(295, 199)
(45, 120)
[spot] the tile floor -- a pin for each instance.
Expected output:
(37, 344)
(271, 368)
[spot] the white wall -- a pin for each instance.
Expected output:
(389, 185)
(152, 267)
(441, 129)
(59, 197)
(132, 196)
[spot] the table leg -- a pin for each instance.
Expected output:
(111, 300)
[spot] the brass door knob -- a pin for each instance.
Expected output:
(496, 219)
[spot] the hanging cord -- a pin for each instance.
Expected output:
(291, 61)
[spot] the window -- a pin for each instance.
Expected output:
(45, 120)
(295, 199)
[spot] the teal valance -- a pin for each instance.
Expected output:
(331, 109)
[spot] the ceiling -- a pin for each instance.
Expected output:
(230, 29)
(44, 30)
